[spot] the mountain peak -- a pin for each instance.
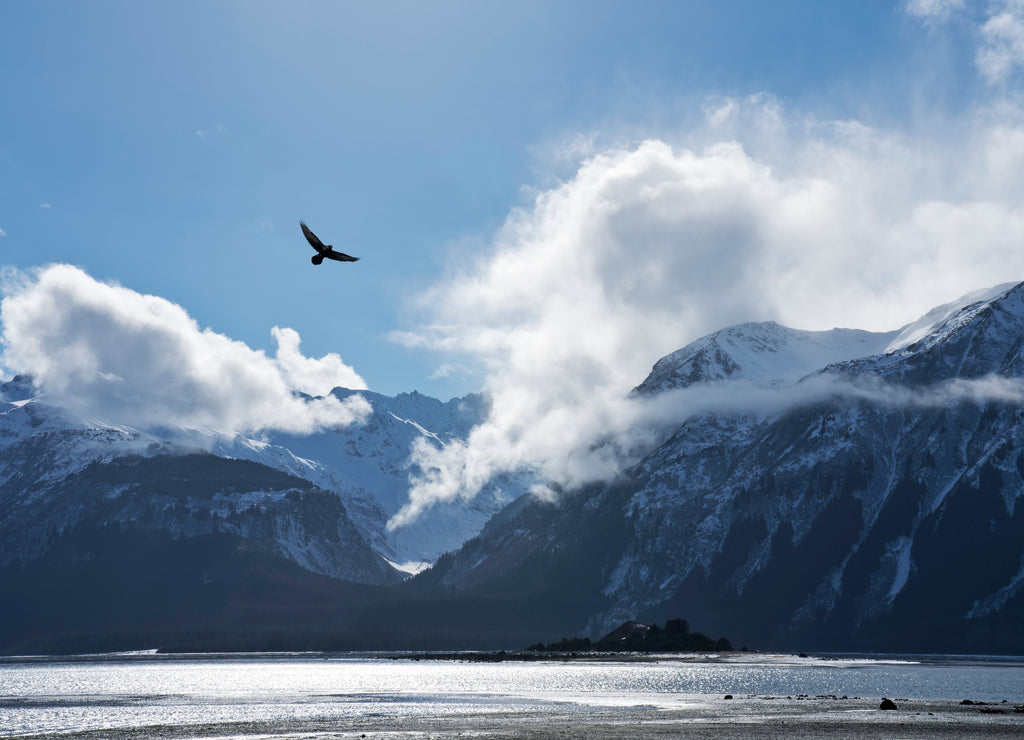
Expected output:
(943, 320)
(765, 354)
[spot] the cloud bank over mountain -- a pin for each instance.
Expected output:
(760, 213)
(111, 353)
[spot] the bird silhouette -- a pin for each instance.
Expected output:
(324, 250)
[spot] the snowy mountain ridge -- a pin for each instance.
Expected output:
(937, 323)
(45, 446)
(368, 466)
(870, 450)
(767, 355)
(881, 514)
(855, 521)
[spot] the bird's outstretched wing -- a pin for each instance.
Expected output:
(340, 256)
(312, 238)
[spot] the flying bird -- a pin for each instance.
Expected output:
(324, 250)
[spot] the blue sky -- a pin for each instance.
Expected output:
(172, 147)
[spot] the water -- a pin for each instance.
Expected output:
(111, 693)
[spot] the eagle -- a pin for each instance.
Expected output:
(323, 250)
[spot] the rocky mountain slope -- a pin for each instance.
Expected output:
(58, 473)
(871, 505)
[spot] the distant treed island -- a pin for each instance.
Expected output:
(636, 637)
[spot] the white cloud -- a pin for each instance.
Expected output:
(1002, 50)
(448, 370)
(762, 215)
(1000, 36)
(739, 397)
(114, 354)
(316, 376)
(3, 233)
(933, 10)
(46, 206)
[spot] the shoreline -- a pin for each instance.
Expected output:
(575, 656)
(704, 717)
(575, 695)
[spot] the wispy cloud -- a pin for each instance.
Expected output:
(631, 427)
(448, 370)
(1002, 50)
(217, 130)
(933, 10)
(999, 34)
(111, 353)
(3, 233)
(45, 206)
(743, 398)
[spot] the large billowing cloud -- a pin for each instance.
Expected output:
(762, 214)
(114, 354)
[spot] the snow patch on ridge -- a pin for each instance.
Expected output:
(903, 566)
(996, 601)
(931, 322)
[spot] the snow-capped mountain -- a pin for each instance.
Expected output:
(868, 500)
(112, 536)
(59, 472)
(874, 506)
(766, 355)
(367, 465)
(321, 501)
